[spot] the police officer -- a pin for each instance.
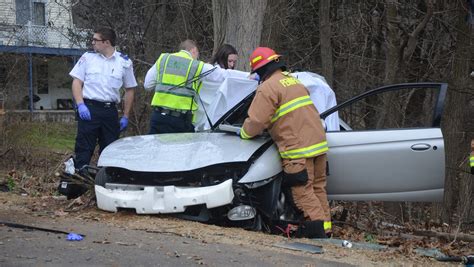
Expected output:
(283, 106)
(177, 81)
(97, 79)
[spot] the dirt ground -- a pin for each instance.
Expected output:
(125, 238)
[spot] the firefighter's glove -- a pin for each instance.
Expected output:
(84, 112)
(123, 123)
(472, 170)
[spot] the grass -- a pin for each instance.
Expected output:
(50, 136)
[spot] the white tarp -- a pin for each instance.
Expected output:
(322, 95)
(220, 98)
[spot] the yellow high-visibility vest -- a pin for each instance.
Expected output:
(172, 89)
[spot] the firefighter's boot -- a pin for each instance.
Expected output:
(311, 229)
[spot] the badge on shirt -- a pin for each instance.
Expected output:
(81, 60)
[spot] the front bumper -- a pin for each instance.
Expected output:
(162, 199)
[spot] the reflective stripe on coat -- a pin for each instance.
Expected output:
(282, 105)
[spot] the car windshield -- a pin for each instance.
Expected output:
(237, 114)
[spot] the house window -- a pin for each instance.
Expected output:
(39, 16)
(27, 10)
(22, 11)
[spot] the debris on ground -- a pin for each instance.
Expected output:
(355, 245)
(30, 227)
(74, 237)
(301, 247)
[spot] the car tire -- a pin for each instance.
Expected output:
(255, 224)
(102, 177)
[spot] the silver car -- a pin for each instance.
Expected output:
(389, 148)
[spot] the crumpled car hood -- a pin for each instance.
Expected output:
(177, 152)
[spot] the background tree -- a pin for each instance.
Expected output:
(240, 24)
(458, 122)
(325, 37)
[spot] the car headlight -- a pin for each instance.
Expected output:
(242, 212)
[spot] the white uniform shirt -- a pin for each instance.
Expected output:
(103, 77)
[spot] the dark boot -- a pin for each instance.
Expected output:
(311, 229)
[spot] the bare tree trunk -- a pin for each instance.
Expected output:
(325, 35)
(459, 187)
(219, 15)
(391, 62)
(274, 24)
(413, 36)
(240, 24)
(154, 30)
(392, 59)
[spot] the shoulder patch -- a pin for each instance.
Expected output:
(82, 59)
(124, 56)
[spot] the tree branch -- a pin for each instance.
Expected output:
(412, 38)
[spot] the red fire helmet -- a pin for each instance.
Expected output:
(261, 56)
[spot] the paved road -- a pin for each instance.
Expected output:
(116, 246)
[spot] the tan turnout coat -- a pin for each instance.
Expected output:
(283, 106)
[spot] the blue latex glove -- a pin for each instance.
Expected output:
(84, 112)
(74, 237)
(238, 132)
(257, 77)
(123, 123)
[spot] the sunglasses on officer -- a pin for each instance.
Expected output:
(95, 40)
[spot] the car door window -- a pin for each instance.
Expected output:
(417, 105)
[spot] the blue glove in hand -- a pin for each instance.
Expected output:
(84, 112)
(238, 132)
(123, 123)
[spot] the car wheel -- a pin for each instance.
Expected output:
(254, 224)
(102, 177)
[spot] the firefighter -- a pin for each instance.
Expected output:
(471, 158)
(177, 79)
(283, 106)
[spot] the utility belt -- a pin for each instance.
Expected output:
(96, 103)
(178, 113)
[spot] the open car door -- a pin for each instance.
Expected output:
(390, 147)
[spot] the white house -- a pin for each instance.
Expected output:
(39, 44)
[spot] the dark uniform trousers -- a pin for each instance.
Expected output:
(103, 128)
(168, 121)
